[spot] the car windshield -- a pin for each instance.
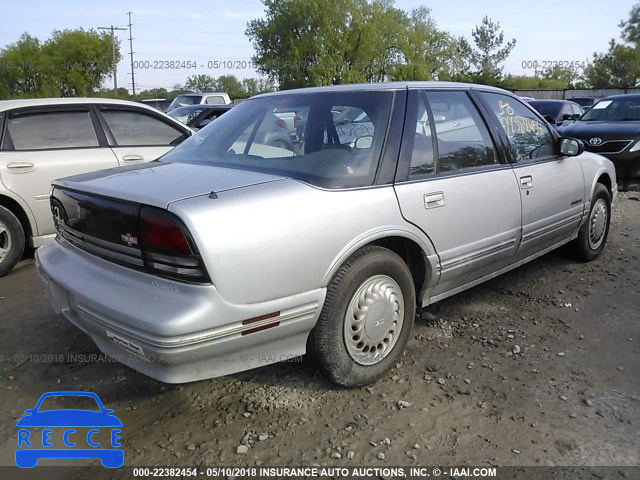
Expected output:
(185, 114)
(618, 109)
(69, 402)
(316, 150)
(547, 108)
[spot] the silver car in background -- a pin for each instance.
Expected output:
(228, 254)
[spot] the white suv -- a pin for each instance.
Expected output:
(45, 139)
(208, 98)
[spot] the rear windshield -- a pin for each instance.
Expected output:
(186, 114)
(547, 108)
(184, 100)
(299, 136)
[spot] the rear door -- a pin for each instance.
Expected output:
(551, 185)
(137, 135)
(455, 186)
(45, 143)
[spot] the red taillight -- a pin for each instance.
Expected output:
(167, 247)
(281, 123)
(161, 233)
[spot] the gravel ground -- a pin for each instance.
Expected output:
(537, 367)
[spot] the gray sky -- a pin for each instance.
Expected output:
(213, 30)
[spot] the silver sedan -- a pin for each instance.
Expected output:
(230, 253)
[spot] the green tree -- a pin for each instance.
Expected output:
(200, 83)
(619, 66)
(230, 85)
(70, 63)
(489, 53)
(152, 93)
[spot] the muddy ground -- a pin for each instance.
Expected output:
(537, 367)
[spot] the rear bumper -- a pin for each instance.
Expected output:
(171, 331)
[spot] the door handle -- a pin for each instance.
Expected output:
(20, 167)
(434, 200)
(526, 182)
(132, 158)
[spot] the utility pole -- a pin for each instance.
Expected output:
(133, 77)
(115, 63)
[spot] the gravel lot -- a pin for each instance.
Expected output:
(537, 367)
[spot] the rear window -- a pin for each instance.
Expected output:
(45, 131)
(329, 139)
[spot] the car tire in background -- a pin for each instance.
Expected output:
(366, 319)
(11, 241)
(594, 232)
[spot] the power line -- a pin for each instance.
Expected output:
(133, 78)
(113, 50)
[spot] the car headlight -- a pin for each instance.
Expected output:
(635, 147)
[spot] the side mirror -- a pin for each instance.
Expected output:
(363, 142)
(571, 147)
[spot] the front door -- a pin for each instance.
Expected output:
(551, 186)
(453, 185)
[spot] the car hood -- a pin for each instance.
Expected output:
(69, 418)
(161, 183)
(605, 130)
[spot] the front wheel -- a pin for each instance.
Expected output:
(366, 319)
(593, 233)
(11, 241)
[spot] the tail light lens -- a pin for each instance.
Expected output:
(168, 249)
(281, 123)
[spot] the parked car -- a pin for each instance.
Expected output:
(43, 139)
(558, 112)
(158, 103)
(585, 102)
(612, 128)
(242, 254)
(198, 116)
(209, 98)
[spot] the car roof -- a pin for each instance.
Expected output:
(550, 100)
(624, 95)
(199, 94)
(393, 86)
(42, 102)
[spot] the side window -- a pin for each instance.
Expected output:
(44, 131)
(139, 129)
(462, 137)
(529, 138)
(422, 154)
(350, 124)
(577, 110)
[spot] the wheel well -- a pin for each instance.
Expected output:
(413, 256)
(15, 208)
(605, 180)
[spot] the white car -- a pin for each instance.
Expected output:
(45, 139)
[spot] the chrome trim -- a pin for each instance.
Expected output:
(589, 146)
(296, 313)
(475, 256)
(550, 228)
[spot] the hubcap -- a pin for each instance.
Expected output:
(373, 320)
(597, 224)
(5, 241)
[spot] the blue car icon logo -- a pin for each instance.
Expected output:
(69, 433)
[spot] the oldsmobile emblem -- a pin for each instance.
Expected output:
(595, 141)
(129, 239)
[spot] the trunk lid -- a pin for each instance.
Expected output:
(160, 183)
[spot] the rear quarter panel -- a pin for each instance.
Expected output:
(283, 238)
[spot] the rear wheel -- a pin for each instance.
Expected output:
(11, 241)
(593, 234)
(366, 319)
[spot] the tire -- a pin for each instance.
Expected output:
(353, 352)
(11, 241)
(593, 234)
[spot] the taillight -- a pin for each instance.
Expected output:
(281, 123)
(167, 247)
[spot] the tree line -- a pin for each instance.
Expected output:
(302, 43)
